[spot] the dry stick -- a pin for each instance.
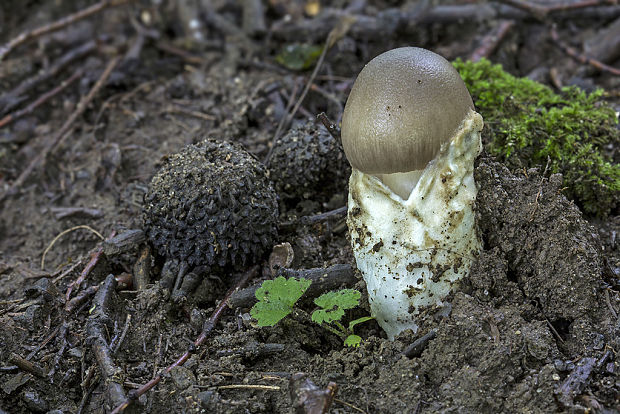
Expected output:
(207, 328)
(373, 26)
(42, 344)
(11, 99)
(581, 57)
(115, 347)
(94, 259)
(340, 211)
(289, 105)
(70, 269)
(28, 366)
(249, 387)
(490, 42)
(41, 100)
(182, 53)
(81, 298)
(332, 128)
(56, 138)
(541, 12)
(57, 25)
(95, 330)
(63, 338)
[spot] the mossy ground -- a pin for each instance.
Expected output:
(527, 123)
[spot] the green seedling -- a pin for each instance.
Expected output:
(332, 306)
(277, 299)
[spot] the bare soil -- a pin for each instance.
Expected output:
(534, 329)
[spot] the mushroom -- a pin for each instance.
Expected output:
(411, 135)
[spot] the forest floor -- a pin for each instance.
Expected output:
(91, 109)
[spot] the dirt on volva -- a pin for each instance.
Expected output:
(533, 329)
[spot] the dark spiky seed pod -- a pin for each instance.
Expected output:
(308, 160)
(211, 204)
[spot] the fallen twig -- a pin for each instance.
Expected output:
(406, 21)
(124, 242)
(63, 338)
(81, 298)
(57, 25)
(581, 57)
(62, 213)
(417, 347)
(207, 328)
(94, 259)
(142, 269)
(14, 97)
(490, 42)
(338, 212)
(41, 100)
(332, 128)
(252, 350)
(27, 366)
(116, 344)
(42, 344)
(58, 137)
(539, 11)
(95, 329)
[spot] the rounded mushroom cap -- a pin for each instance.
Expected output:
(403, 106)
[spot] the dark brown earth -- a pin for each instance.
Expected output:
(534, 329)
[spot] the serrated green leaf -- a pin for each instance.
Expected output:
(344, 299)
(321, 315)
(353, 341)
(333, 304)
(268, 313)
(276, 299)
(298, 56)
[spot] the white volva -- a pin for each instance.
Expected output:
(412, 252)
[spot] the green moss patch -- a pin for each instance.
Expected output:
(527, 123)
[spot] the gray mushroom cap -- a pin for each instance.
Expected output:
(403, 106)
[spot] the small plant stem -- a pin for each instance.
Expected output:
(341, 328)
(335, 331)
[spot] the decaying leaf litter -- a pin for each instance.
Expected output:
(93, 104)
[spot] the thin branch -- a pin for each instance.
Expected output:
(41, 100)
(539, 11)
(94, 259)
(57, 25)
(581, 58)
(332, 128)
(14, 97)
(81, 107)
(96, 330)
(491, 41)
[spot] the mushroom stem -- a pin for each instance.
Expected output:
(412, 252)
(401, 183)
